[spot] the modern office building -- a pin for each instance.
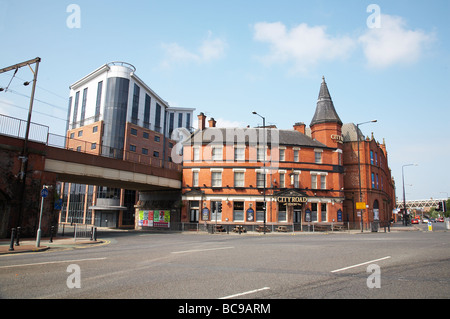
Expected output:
(301, 176)
(113, 113)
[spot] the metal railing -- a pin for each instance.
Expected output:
(77, 231)
(15, 127)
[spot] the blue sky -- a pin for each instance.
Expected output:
(228, 58)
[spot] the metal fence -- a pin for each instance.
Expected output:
(15, 127)
(77, 231)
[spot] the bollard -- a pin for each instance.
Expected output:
(11, 245)
(18, 236)
(92, 233)
(95, 233)
(51, 233)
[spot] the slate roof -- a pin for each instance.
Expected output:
(325, 111)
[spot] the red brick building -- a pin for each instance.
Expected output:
(306, 177)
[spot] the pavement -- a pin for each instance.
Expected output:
(59, 243)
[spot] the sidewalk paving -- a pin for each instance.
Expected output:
(29, 245)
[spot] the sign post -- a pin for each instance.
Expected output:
(44, 193)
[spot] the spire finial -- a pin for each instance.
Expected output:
(323, 78)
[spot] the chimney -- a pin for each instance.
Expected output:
(212, 122)
(300, 127)
(201, 121)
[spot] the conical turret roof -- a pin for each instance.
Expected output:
(325, 111)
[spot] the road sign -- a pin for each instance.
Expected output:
(360, 205)
(44, 192)
(430, 226)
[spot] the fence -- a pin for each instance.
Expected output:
(77, 231)
(281, 227)
(17, 128)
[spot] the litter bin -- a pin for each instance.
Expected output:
(447, 223)
(375, 226)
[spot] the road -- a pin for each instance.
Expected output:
(407, 264)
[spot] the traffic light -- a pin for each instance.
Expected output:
(440, 207)
(444, 206)
(219, 208)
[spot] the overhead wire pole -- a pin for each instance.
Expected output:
(24, 156)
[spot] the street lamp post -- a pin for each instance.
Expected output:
(359, 167)
(405, 222)
(264, 165)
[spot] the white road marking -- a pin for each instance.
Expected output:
(362, 264)
(54, 262)
(245, 293)
(199, 250)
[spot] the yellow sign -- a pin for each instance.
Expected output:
(360, 205)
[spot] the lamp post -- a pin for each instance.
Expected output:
(264, 165)
(359, 167)
(405, 222)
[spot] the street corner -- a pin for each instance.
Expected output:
(6, 249)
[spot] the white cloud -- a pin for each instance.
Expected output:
(210, 49)
(393, 43)
(303, 45)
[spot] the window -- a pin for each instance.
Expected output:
(373, 180)
(239, 154)
(296, 155)
(99, 100)
(259, 211)
(323, 212)
(238, 211)
(282, 212)
(132, 148)
(296, 181)
(147, 111)
(195, 178)
(217, 153)
(75, 109)
(323, 182)
(216, 179)
(80, 133)
(145, 135)
(83, 107)
(318, 157)
(133, 131)
(155, 153)
(282, 180)
(135, 107)
(158, 118)
(196, 151)
(371, 157)
(180, 119)
(239, 179)
(282, 155)
(260, 154)
(93, 146)
(313, 181)
(259, 180)
(78, 148)
(72, 135)
(145, 151)
(314, 212)
(157, 138)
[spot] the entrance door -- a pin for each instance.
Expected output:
(297, 215)
(194, 208)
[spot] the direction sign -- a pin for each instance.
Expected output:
(360, 205)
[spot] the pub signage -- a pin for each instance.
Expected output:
(291, 199)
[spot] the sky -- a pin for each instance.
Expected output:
(383, 60)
